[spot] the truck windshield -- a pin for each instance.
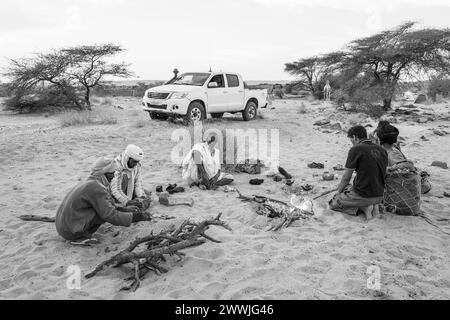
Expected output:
(192, 79)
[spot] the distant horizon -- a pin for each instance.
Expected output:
(160, 80)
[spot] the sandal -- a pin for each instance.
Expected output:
(85, 242)
(316, 165)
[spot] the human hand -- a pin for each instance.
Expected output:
(133, 209)
(139, 216)
(136, 203)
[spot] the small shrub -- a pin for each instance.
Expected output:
(99, 116)
(40, 100)
(76, 118)
(106, 117)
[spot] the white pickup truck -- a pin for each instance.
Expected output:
(195, 94)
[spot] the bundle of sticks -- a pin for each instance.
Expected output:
(273, 208)
(167, 242)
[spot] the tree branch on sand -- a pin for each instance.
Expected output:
(167, 242)
(273, 208)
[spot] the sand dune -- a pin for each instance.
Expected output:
(325, 257)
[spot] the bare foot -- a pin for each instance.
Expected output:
(376, 211)
(368, 212)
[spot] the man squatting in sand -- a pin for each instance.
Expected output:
(89, 204)
(126, 186)
(201, 166)
(369, 161)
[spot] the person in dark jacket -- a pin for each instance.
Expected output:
(89, 204)
(370, 161)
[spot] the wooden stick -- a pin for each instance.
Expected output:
(325, 193)
(284, 173)
(32, 217)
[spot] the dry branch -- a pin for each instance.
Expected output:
(167, 242)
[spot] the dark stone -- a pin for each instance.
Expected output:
(256, 182)
(277, 178)
(440, 164)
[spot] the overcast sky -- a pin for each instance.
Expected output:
(253, 37)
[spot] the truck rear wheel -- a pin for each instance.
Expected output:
(195, 112)
(250, 111)
(217, 115)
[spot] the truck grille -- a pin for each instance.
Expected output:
(157, 95)
(157, 106)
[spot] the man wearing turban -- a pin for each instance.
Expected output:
(89, 204)
(126, 186)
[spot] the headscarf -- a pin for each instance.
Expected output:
(132, 151)
(103, 165)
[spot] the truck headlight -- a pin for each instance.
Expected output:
(178, 95)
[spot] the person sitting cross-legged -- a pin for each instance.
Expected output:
(201, 166)
(369, 161)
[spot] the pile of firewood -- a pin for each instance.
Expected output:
(167, 242)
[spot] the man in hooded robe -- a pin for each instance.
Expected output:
(126, 186)
(89, 204)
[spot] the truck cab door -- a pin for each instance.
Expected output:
(235, 92)
(217, 96)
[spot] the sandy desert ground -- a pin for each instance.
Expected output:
(325, 257)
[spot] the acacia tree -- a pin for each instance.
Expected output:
(307, 70)
(393, 55)
(311, 72)
(63, 73)
(42, 70)
(376, 64)
(88, 66)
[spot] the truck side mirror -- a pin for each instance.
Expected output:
(212, 85)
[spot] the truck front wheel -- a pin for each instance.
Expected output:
(195, 112)
(250, 111)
